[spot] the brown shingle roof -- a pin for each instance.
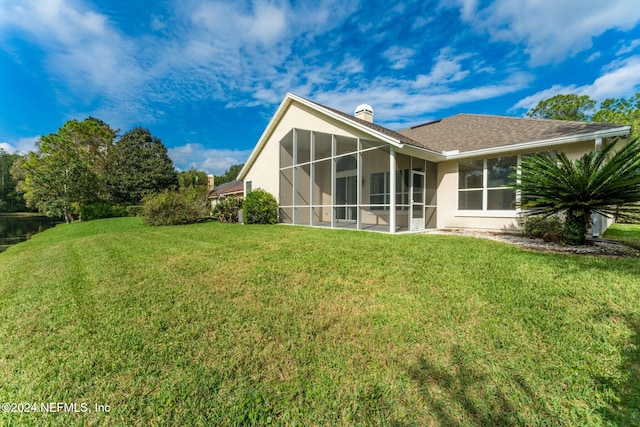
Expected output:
(233, 187)
(469, 132)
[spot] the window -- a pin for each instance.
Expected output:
(481, 184)
(379, 189)
(470, 187)
(379, 193)
(499, 170)
(249, 185)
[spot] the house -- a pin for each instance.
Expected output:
(330, 169)
(233, 188)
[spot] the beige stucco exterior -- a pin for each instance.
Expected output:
(264, 172)
(450, 217)
(314, 204)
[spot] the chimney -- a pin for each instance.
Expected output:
(364, 112)
(211, 182)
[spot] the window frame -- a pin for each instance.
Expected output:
(485, 189)
(403, 194)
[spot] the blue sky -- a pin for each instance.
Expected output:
(206, 76)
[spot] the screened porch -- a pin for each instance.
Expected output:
(343, 182)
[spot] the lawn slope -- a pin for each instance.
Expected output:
(226, 324)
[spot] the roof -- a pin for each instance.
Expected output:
(456, 136)
(405, 139)
(472, 132)
(233, 187)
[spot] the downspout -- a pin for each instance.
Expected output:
(597, 220)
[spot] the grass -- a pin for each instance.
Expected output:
(626, 233)
(213, 324)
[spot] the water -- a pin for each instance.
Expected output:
(16, 228)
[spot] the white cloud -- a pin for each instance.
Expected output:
(551, 29)
(402, 102)
(21, 145)
(264, 23)
(467, 8)
(619, 79)
(238, 53)
(447, 69)
(593, 57)
(629, 47)
(87, 58)
(398, 56)
(211, 160)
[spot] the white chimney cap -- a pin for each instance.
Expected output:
(362, 108)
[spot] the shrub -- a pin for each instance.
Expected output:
(227, 209)
(260, 207)
(169, 208)
(134, 210)
(99, 210)
(537, 226)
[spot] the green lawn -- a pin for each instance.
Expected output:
(215, 324)
(627, 233)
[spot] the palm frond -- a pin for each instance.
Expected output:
(605, 182)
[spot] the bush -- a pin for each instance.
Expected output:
(169, 208)
(227, 209)
(134, 210)
(537, 227)
(260, 207)
(99, 210)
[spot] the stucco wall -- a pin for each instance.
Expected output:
(264, 173)
(448, 214)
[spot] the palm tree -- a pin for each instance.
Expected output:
(605, 182)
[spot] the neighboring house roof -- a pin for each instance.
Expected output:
(462, 135)
(226, 189)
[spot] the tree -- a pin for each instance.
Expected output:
(194, 181)
(599, 182)
(67, 169)
(138, 165)
(194, 185)
(624, 111)
(564, 107)
(231, 174)
(10, 199)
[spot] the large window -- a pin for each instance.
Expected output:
(379, 191)
(481, 184)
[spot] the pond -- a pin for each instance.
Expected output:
(16, 228)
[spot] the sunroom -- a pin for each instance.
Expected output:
(338, 181)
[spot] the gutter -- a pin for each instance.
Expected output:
(607, 133)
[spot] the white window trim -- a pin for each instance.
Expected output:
(387, 195)
(485, 196)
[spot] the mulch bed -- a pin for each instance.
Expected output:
(596, 247)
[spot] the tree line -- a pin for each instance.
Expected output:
(10, 198)
(582, 108)
(84, 164)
